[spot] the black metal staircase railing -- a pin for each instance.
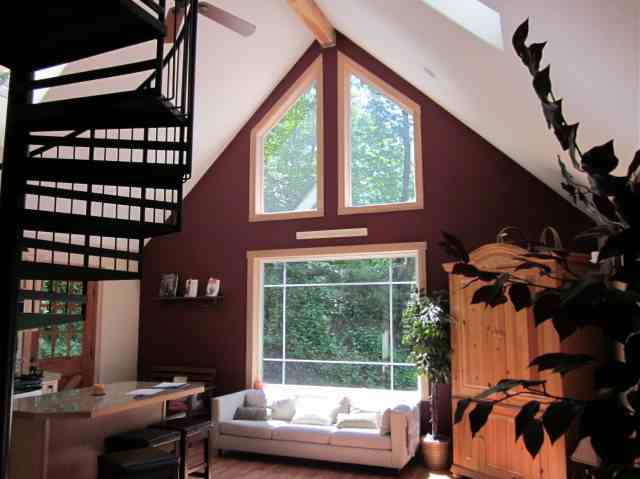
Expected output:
(74, 187)
(86, 180)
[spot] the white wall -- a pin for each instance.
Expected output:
(118, 318)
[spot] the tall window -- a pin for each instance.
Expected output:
(380, 149)
(62, 340)
(335, 320)
(286, 177)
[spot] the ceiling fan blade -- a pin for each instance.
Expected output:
(172, 23)
(226, 19)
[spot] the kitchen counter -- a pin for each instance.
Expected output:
(61, 435)
(83, 403)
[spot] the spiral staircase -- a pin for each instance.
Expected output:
(90, 178)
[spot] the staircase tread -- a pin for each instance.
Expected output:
(129, 109)
(62, 32)
(32, 270)
(154, 175)
(33, 220)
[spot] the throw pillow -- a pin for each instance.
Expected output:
(313, 411)
(360, 420)
(343, 407)
(255, 398)
(283, 409)
(252, 413)
(315, 418)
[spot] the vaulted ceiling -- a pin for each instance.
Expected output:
(593, 48)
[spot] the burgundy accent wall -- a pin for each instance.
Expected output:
(471, 190)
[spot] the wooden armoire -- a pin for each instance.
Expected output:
(490, 344)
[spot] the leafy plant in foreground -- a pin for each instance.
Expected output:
(609, 301)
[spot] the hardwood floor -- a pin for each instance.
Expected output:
(251, 466)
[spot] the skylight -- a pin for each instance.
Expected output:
(474, 16)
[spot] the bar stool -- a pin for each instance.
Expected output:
(194, 444)
(146, 463)
(164, 439)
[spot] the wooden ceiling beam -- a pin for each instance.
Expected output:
(315, 20)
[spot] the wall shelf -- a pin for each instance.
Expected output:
(186, 299)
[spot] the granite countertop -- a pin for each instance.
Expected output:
(83, 403)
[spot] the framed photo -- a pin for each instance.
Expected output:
(191, 288)
(213, 287)
(169, 285)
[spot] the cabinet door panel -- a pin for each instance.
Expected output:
(494, 451)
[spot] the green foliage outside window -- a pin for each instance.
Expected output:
(334, 312)
(382, 144)
(290, 158)
(62, 340)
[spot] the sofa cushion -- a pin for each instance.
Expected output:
(255, 398)
(363, 438)
(255, 429)
(359, 420)
(283, 409)
(303, 433)
(252, 413)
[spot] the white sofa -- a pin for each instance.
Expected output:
(327, 443)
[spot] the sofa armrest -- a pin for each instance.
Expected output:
(223, 408)
(405, 435)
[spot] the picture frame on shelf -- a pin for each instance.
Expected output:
(169, 285)
(213, 287)
(191, 288)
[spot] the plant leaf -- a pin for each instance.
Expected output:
(600, 159)
(491, 295)
(605, 207)
(534, 437)
(557, 418)
(478, 417)
(518, 40)
(616, 375)
(546, 305)
(454, 247)
(553, 114)
(534, 57)
(465, 269)
(567, 135)
(634, 165)
(525, 416)
(564, 325)
(461, 407)
(561, 362)
(520, 296)
(542, 83)
(532, 265)
(624, 243)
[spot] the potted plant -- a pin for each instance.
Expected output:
(608, 299)
(426, 326)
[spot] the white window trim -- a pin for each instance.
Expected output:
(347, 67)
(255, 285)
(256, 194)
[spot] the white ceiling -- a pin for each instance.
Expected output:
(593, 48)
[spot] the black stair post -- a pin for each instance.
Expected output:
(11, 207)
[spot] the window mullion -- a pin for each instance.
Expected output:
(284, 322)
(391, 352)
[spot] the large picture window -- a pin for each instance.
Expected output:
(380, 149)
(286, 165)
(334, 320)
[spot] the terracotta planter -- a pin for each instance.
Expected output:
(436, 452)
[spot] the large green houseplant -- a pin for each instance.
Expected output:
(608, 299)
(426, 327)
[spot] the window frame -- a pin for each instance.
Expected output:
(256, 187)
(255, 285)
(347, 67)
